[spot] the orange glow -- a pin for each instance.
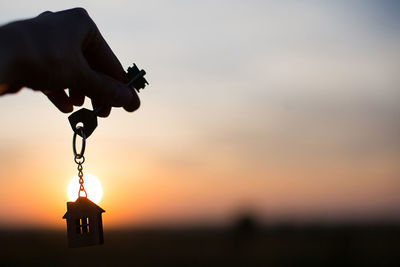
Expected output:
(299, 120)
(92, 186)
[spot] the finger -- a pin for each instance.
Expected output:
(60, 99)
(105, 110)
(101, 58)
(103, 89)
(94, 48)
(76, 96)
(107, 91)
(45, 13)
(134, 104)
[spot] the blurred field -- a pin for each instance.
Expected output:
(243, 245)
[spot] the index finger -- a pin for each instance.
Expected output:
(101, 58)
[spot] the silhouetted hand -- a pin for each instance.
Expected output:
(60, 50)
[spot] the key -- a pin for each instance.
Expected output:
(88, 118)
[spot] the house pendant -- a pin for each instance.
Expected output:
(84, 223)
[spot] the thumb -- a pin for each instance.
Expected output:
(105, 90)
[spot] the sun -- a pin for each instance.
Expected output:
(92, 186)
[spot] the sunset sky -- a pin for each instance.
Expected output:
(287, 109)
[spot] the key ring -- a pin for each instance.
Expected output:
(82, 133)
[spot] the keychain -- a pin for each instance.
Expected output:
(84, 218)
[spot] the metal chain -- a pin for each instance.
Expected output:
(79, 159)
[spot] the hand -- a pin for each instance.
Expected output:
(60, 50)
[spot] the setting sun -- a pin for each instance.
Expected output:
(92, 186)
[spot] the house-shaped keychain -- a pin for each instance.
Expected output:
(84, 223)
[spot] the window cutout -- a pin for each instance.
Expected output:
(82, 225)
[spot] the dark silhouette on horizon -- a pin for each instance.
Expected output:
(278, 246)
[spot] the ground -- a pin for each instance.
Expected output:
(244, 245)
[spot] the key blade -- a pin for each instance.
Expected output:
(86, 117)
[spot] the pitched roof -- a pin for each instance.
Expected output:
(82, 205)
